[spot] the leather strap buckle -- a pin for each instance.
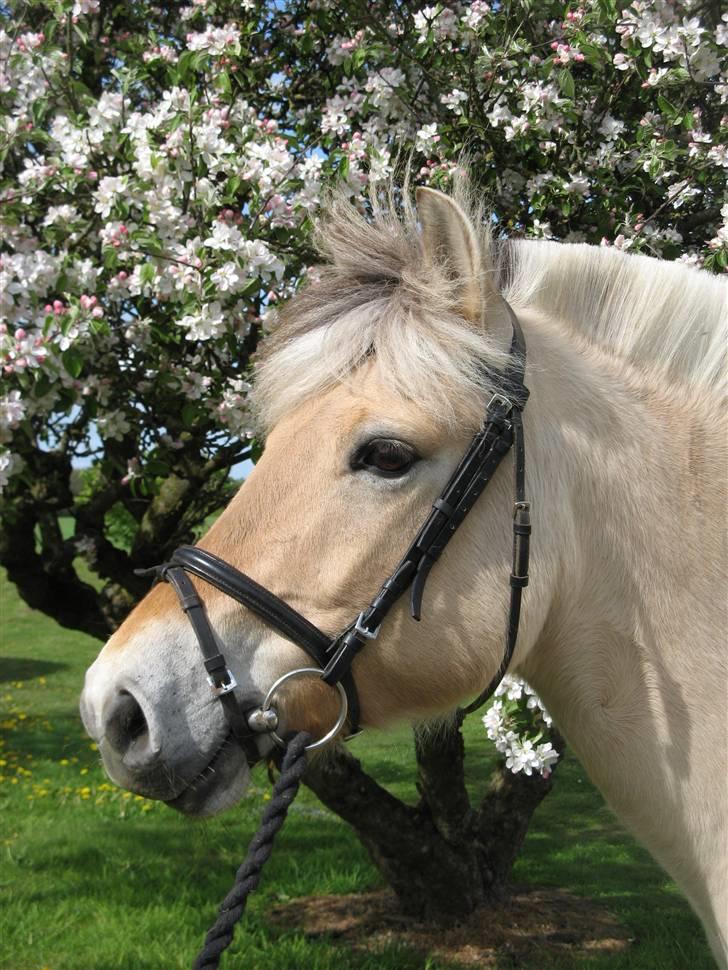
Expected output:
(228, 685)
(502, 400)
(362, 630)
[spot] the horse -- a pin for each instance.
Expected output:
(367, 390)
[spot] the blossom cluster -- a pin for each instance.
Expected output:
(516, 722)
(149, 223)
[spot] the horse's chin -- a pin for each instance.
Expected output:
(220, 786)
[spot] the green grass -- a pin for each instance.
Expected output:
(92, 878)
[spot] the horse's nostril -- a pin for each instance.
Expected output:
(127, 731)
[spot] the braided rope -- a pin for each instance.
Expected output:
(247, 878)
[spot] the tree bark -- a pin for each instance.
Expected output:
(56, 591)
(442, 857)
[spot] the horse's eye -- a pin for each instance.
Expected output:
(386, 457)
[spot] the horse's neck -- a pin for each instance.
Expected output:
(629, 481)
(627, 659)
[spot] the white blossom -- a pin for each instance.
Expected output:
(521, 753)
(224, 237)
(454, 100)
(113, 424)
(12, 412)
(215, 40)
(426, 138)
(228, 278)
(208, 322)
(10, 464)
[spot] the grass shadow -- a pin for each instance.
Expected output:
(22, 668)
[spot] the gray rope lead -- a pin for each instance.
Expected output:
(247, 878)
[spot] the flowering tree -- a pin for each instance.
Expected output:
(159, 169)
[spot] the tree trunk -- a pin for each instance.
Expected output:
(442, 857)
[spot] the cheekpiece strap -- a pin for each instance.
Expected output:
(502, 427)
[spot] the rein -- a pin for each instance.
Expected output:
(220, 935)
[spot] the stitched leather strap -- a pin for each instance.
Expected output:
(268, 607)
(257, 598)
(214, 661)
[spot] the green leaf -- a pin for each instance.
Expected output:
(184, 64)
(224, 83)
(148, 241)
(233, 184)
(668, 109)
(155, 466)
(566, 83)
(146, 274)
(72, 361)
(200, 60)
(189, 415)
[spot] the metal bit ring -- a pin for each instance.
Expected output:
(340, 720)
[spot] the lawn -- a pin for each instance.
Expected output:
(93, 878)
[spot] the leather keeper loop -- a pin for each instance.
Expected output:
(216, 663)
(341, 660)
(518, 582)
(442, 506)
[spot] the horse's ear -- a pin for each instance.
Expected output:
(450, 241)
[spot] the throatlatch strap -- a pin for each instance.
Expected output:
(519, 572)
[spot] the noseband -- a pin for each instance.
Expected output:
(501, 429)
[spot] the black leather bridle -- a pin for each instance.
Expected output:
(501, 429)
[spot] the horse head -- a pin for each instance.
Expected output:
(368, 391)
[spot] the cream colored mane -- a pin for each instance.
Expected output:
(378, 294)
(662, 317)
